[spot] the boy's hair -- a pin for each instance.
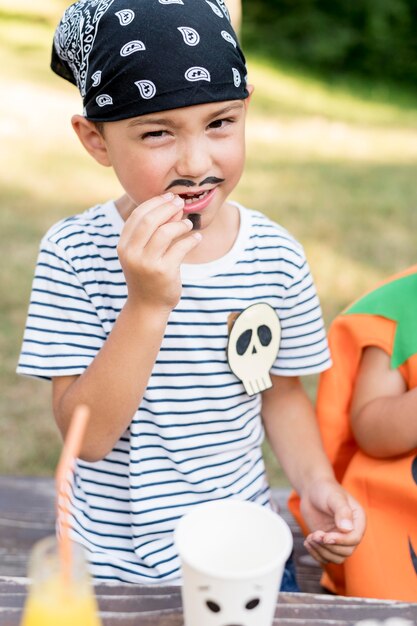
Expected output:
(100, 127)
(149, 56)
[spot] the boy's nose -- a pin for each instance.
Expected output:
(193, 160)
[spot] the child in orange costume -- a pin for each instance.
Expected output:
(367, 407)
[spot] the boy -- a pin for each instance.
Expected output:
(367, 412)
(131, 299)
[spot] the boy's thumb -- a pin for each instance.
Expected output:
(343, 514)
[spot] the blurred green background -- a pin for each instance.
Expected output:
(332, 155)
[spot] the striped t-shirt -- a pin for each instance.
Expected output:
(196, 435)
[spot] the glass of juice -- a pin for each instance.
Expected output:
(58, 598)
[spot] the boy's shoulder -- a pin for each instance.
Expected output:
(264, 228)
(82, 227)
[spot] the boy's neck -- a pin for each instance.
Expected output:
(218, 238)
(125, 207)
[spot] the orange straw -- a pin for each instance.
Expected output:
(64, 474)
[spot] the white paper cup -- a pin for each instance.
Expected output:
(233, 556)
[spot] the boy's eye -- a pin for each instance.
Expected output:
(154, 133)
(222, 123)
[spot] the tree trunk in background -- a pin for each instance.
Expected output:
(235, 9)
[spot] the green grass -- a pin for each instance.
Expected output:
(334, 163)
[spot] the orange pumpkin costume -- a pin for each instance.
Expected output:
(384, 565)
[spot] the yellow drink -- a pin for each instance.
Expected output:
(53, 605)
(55, 600)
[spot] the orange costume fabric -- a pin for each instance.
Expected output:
(384, 565)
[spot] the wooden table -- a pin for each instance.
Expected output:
(27, 515)
(132, 605)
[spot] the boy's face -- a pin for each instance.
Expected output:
(197, 152)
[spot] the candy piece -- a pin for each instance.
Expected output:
(196, 220)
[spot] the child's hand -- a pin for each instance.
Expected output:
(337, 519)
(152, 246)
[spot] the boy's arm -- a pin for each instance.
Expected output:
(383, 411)
(152, 246)
(114, 383)
(336, 520)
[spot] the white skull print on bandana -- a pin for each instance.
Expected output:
(132, 46)
(126, 16)
(197, 73)
(147, 89)
(190, 35)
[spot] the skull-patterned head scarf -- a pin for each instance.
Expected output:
(132, 57)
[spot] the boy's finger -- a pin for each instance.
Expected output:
(333, 554)
(147, 217)
(311, 549)
(176, 253)
(339, 549)
(165, 236)
(341, 539)
(343, 514)
(317, 536)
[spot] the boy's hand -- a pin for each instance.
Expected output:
(338, 521)
(152, 246)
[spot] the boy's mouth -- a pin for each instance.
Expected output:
(197, 201)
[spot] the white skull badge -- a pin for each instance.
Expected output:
(253, 346)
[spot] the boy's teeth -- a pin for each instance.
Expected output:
(191, 199)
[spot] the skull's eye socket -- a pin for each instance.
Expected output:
(243, 342)
(265, 335)
(252, 604)
(213, 606)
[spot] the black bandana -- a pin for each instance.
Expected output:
(132, 57)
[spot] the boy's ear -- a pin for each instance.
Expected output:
(91, 138)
